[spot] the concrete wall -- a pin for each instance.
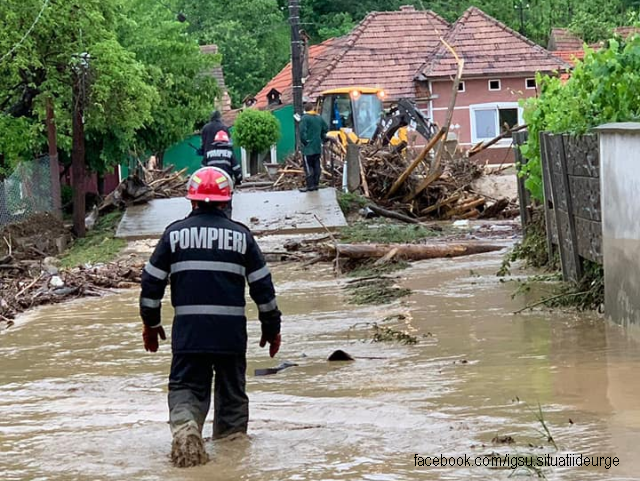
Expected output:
(620, 183)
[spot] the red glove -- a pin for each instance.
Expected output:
(274, 344)
(150, 337)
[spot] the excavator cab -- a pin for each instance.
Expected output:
(352, 114)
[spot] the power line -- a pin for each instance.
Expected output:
(27, 33)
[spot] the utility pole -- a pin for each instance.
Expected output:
(54, 166)
(521, 6)
(296, 65)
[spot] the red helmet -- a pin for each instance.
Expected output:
(209, 184)
(221, 136)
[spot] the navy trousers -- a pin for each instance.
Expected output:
(190, 391)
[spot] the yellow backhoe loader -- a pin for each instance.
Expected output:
(356, 115)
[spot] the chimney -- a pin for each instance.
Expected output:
(407, 8)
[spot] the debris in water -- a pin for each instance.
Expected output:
(375, 291)
(273, 370)
(386, 334)
(340, 355)
(503, 440)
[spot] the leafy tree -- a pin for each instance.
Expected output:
(256, 130)
(73, 58)
(590, 27)
(252, 36)
(603, 88)
(175, 67)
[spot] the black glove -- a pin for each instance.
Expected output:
(200, 151)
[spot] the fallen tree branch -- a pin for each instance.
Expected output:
(553, 298)
(403, 177)
(392, 215)
(436, 168)
(479, 148)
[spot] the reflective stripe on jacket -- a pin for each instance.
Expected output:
(208, 259)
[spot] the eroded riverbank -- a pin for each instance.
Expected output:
(81, 400)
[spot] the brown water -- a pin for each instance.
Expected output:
(81, 400)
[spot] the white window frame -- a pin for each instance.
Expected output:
(499, 85)
(463, 85)
(526, 83)
(493, 106)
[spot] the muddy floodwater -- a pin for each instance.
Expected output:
(81, 400)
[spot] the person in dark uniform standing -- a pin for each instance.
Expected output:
(313, 131)
(220, 155)
(210, 130)
(207, 258)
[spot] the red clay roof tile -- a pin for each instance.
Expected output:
(489, 47)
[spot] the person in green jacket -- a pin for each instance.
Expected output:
(313, 130)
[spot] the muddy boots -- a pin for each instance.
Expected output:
(187, 449)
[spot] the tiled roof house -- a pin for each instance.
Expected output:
(401, 52)
(570, 47)
(499, 70)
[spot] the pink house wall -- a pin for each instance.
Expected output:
(477, 92)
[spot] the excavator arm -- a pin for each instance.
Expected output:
(403, 114)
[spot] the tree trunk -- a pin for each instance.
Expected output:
(413, 251)
(54, 166)
(4, 211)
(78, 169)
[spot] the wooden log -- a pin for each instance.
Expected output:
(472, 214)
(436, 168)
(495, 209)
(432, 177)
(479, 148)
(388, 257)
(441, 203)
(392, 215)
(413, 251)
(403, 177)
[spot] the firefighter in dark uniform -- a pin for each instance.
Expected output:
(207, 258)
(219, 154)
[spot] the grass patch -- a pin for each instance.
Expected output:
(385, 233)
(369, 269)
(532, 250)
(375, 291)
(99, 245)
(350, 202)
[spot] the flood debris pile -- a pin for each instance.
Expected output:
(33, 283)
(145, 185)
(376, 290)
(429, 190)
(37, 237)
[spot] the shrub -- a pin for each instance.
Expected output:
(256, 130)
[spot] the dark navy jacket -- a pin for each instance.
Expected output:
(207, 258)
(221, 155)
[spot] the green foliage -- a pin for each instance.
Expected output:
(256, 130)
(387, 334)
(350, 202)
(252, 36)
(175, 68)
(336, 25)
(385, 233)
(375, 291)
(590, 27)
(98, 246)
(605, 87)
(369, 268)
